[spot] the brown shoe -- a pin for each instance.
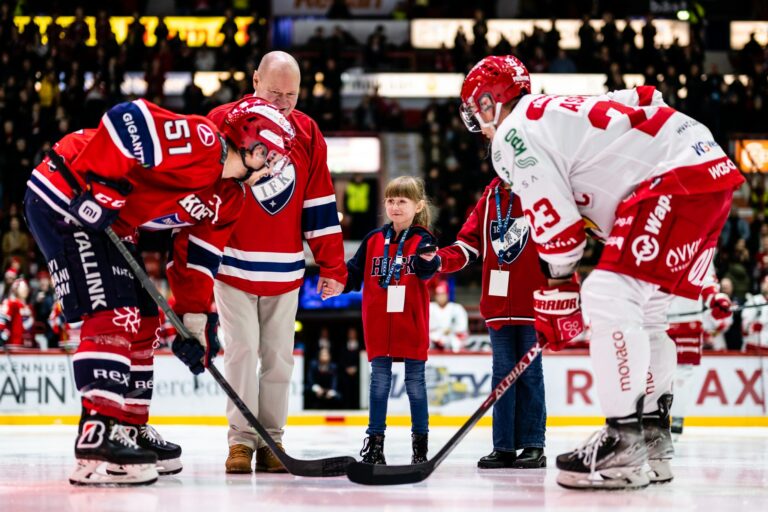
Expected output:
(267, 462)
(239, 460)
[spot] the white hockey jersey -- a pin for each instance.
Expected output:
(573, 159)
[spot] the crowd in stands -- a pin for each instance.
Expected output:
(44, 95)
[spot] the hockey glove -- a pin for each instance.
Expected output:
(198, 351)
(558, 314)
(719, 305)
(99, 204)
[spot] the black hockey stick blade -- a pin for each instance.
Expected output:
(379, 474)
(333, 466)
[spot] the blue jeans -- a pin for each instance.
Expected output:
(415, 386)
(520, 415)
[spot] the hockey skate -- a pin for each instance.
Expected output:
(614, 457)
(658, 441)
(103, 441)
(168, 454)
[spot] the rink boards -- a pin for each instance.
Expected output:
(727, 389)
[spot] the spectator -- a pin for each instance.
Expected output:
(448, 326)
(15, 245)
(16, 320)
(322, 390)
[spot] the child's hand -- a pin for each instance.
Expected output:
(427, 252)
(328, 288)
(428, 256)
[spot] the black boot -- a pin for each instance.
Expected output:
(530, 458)
(168, 453)
(419, 444)
(497, 460)
(373, 449)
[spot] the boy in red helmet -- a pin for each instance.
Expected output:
(650, 183)
(143, 167)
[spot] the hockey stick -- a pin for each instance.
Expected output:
(379, 474)
(734, 309)
(333, 466)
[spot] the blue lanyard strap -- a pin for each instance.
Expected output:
(503, 224)
(397, 265)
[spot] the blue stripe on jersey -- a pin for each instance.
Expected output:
(134, 133)
(263, 266)
(198, 255)
(315, 218)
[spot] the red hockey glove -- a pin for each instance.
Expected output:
(757, 327)
(558, 314)
(719, 305)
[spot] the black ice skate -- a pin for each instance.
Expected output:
(168, 454)
(612, 458)
(103, 441)
(419, 445)
(658, 441)
(373, 449)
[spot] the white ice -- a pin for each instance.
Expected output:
(716, 469)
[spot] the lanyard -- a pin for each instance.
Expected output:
(503, 224)
(396, 263)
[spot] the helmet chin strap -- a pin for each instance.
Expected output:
(249, 170)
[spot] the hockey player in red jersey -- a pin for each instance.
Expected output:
(143, 167)
(649, 182)
(257, 287)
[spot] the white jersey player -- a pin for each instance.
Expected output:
(653, 185)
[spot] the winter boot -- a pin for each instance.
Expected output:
(658, 441)
(103, 439)
(497, 460)
(267, 462)
(612, 458)
(530, 458)
(239, 459)
(419, 444)
(373, 449)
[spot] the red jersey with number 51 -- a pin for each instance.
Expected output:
(573, 159)
(172, 161)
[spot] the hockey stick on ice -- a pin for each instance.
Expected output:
(379, 474)
(333, 466)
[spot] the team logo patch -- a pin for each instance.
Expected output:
(274, 192)
(207, 137)
(514, 240)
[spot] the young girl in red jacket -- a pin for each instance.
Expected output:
(396, 309)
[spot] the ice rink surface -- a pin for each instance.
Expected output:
(717, 470)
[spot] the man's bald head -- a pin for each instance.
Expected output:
(277, 80)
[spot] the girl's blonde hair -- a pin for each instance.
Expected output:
(411, 188)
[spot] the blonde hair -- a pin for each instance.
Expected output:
(413, 189)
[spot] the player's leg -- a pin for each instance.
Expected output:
(277, 327)
(416, 387)
(139, 398)
(658, 399)
(378, 397)
(239, 319)
(502, 361)
(530, 407)
(81, 272)
(614, 457)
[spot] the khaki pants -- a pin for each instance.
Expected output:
(258, 335)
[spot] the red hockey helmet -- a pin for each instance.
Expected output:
(255, 121)
(493, 81)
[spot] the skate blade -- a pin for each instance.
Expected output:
(164, 467)
(95, 473)
(612, 479)
(659, 471)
